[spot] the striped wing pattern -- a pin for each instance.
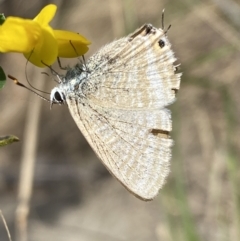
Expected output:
(121, 108)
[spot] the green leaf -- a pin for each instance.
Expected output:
(5, 140)
(2, 18)
(2, 78)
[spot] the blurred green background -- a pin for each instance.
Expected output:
(74, 197)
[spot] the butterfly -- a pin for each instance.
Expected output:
(118, 100)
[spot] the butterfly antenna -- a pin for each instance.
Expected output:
(28, 79)
(165, 32)
(163, 19)
(25, 87)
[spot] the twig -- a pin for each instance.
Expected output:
(5, 225)
(28, 162)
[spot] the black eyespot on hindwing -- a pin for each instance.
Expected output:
(161, 43)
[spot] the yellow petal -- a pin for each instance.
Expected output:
(46, 50)
(70, 44)
(18, 35)
(46, 14)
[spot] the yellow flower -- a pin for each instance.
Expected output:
(66, 49)
(36, 39)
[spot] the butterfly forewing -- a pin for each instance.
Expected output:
(141, 73)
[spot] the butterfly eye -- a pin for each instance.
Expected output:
(57, 96)
(161, 43)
